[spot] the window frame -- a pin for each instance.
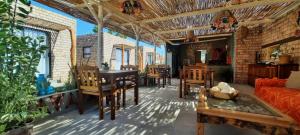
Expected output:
(86, 55)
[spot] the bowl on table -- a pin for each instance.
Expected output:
(221, 95)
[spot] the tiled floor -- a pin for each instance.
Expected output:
(159, 112)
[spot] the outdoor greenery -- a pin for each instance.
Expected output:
(95, 30)
(19, 57)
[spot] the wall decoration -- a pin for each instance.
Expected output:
(224, 21)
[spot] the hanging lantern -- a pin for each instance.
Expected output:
(131, 7)
(224, 21)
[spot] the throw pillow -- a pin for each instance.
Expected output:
(293, 80)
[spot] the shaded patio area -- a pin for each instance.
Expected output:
(160, 111)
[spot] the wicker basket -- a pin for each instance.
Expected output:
(221, 95)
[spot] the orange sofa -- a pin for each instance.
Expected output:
(274, 92)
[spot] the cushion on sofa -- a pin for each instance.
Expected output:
(284, 99)
(293, 81)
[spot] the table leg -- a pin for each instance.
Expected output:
(101, 111)
(180, 85)
(158, 82)
(107, 100)
(200, 128)
(80, 104)
(136, 89)
(124, 92)
(118, 100)
(112, 107)
(211, 79)
(112, 100)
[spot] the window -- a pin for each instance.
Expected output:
(45, 61)
(126, 56)
(149, 58)
(203, 55)
(87, 52)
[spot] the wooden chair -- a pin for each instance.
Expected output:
(89, 82)
(166, 70)
(194, 75)
(153, 73)
(129, 81)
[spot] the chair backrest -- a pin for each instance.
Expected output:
(88, 79)
(129, 67)
(163, 66)
(195, 73)
(202, 65)
(152, 69)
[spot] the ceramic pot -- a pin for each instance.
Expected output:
(284, 59)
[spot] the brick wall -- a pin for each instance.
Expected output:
(61, 41)
(109, 41)
(282, 29)
(245, 50)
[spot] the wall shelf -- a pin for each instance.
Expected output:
(286, 40)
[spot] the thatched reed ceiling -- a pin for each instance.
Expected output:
(172, 19)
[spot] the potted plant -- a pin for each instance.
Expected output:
(105, 66)
(19, 57)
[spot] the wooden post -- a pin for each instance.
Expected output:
(99, 18)
(73, 47)
(123, 54)
(100, 50)
(153, 42)
(137, 32)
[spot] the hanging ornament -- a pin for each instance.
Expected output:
(224, 21)
(131, 7)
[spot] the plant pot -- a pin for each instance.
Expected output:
(25, 130)
(105, 68)
(284, 59)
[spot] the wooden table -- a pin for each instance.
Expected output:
(112, 76)
(246, 111)
(210, 76)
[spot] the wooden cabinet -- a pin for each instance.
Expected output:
(270, 71)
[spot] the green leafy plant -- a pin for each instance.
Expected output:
(70, 84)
(95, 30)
(19, 57)
(105, 64)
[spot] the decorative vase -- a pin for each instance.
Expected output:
(41, 85)
(50, 90)
(105, 68)
(284, 59)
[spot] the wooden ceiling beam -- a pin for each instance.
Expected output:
(286, 10)
(129, 19)
(215, 10)
(246, 23)
(204, 41)
(207, 36)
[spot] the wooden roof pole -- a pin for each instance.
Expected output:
(99, 18)
(129, 19)
(137, 30)
(208, 26)
(123, 51)
(153, 42)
